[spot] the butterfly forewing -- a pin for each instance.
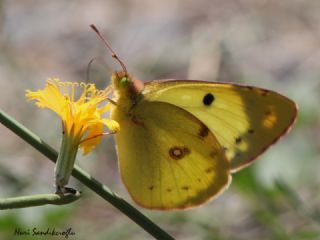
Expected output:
(245, 120)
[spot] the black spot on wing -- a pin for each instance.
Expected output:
(204, 131)
(209, 170)
(186, 151)
(208, 99)
(238, 140)
(268, 112)
(178, 153)
(251, 131)
(238, 154)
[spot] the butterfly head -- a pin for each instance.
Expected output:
(125, 85)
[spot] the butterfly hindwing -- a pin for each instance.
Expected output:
(168, 158)
(245, 120)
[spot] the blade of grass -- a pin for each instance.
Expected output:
(85, 178)
(296, 201)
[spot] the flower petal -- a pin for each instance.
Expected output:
(92, 139)
(50, 97)
(111, 124)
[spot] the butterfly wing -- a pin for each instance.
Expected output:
(168, 158)
(245, 120)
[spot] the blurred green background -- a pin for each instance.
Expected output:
(271, 44)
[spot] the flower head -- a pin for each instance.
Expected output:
(82, 118)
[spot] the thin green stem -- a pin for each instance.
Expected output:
(102, 190)
(37, 200)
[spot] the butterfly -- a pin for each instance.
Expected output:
(179, 140)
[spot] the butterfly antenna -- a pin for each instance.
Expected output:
(114, 55)
(89, 66)
(88, 70)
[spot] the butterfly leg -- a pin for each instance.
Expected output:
(112, 102)
(137, 121)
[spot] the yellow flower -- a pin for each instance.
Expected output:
(81, 118)
(82, 121)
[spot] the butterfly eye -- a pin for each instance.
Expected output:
(124, 82)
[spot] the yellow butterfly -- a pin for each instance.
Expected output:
(179, 141)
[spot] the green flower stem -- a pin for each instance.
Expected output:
(102, 190)
(37, 200)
